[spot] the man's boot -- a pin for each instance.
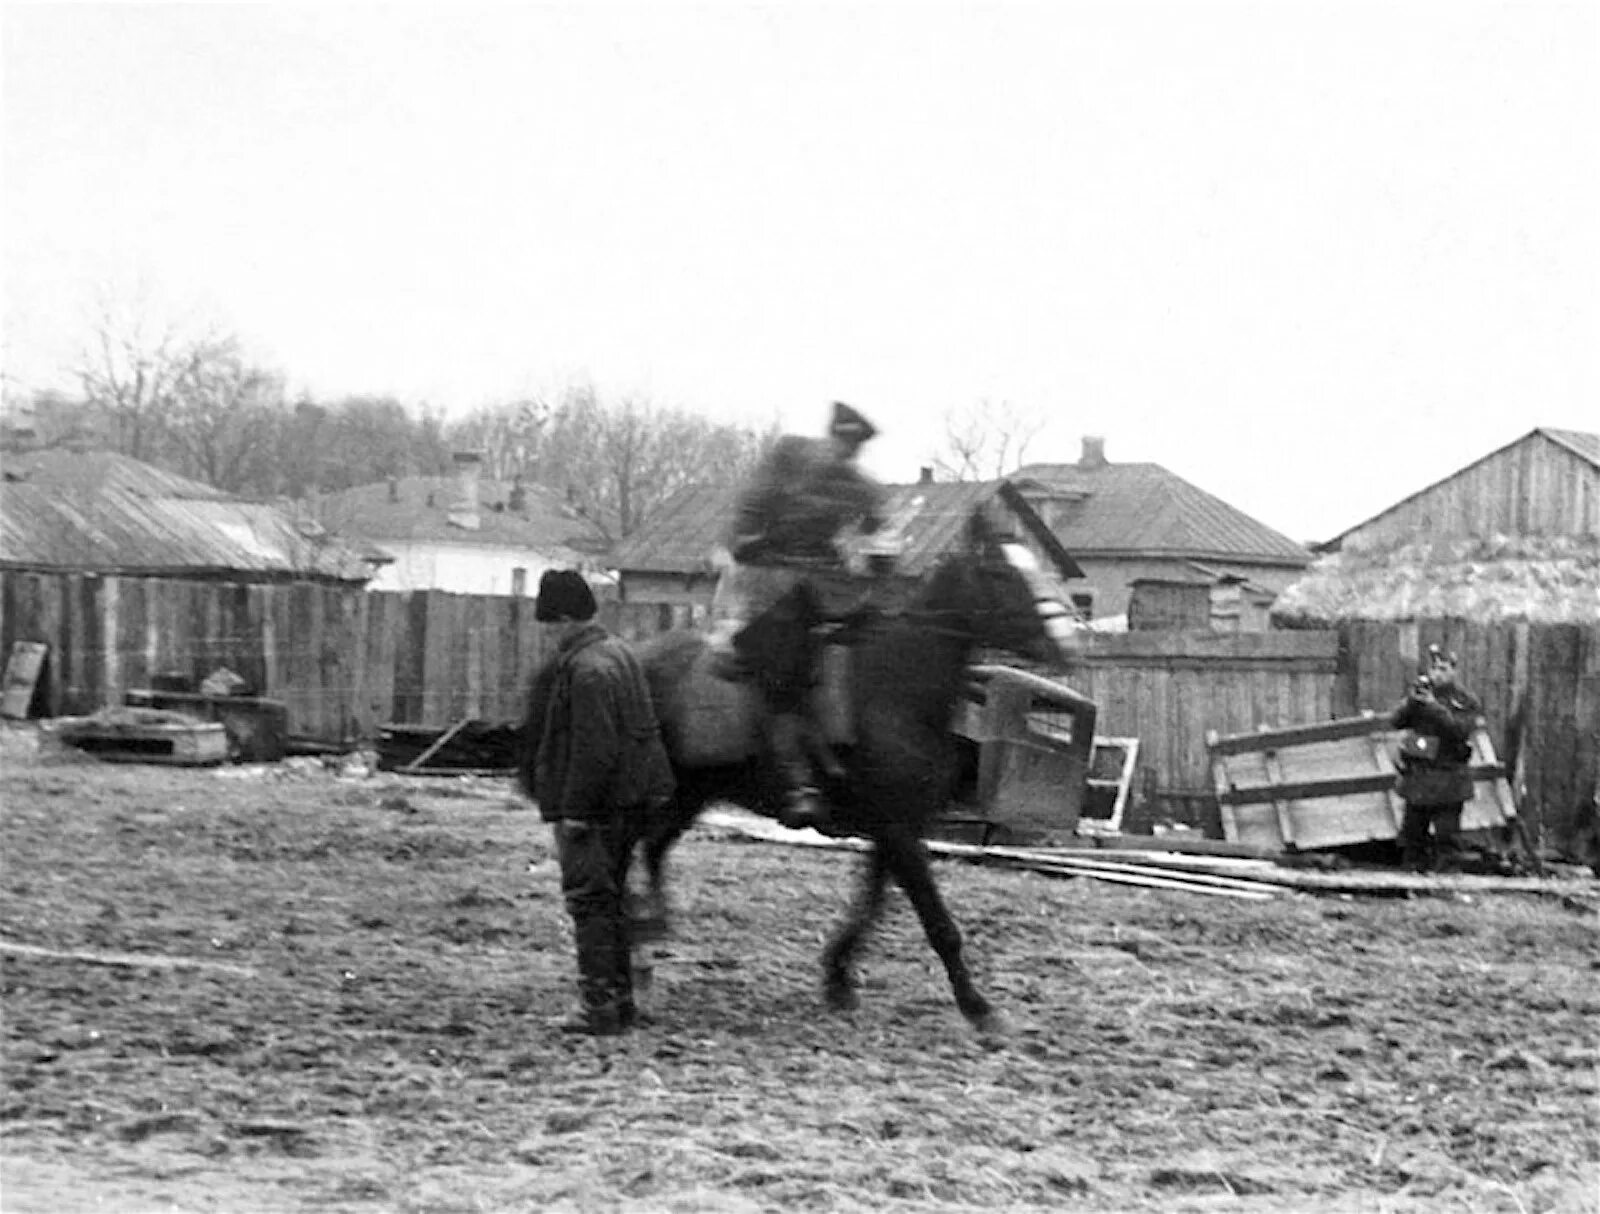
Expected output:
(605, 1010)
(1448, 856)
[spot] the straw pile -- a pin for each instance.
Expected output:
(1537, 579)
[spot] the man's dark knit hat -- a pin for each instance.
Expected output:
(847, 423)
(564, 595)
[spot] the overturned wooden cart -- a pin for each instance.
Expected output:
(1332, 784)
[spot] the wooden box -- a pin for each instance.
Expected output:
(146, 736)
(1333, 785)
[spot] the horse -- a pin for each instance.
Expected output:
(908, 670)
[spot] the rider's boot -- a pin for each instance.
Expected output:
(802, 804)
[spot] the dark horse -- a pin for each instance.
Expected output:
(907, 673)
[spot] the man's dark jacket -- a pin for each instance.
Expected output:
(591, 741)
(1446, 778)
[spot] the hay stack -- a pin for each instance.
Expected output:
(1537, 579)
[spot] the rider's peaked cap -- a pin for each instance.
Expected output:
(564, 595)
(847, 423)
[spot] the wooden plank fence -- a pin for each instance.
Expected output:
(347, 660)
(1168, 688)
(343, 660)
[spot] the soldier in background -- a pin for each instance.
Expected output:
(1439, 716)
(786, 575)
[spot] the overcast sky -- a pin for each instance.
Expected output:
(1308, 256)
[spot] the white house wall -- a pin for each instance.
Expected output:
(459, 568)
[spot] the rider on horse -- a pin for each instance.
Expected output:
(801, 498)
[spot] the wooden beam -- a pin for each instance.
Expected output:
(1303, 790)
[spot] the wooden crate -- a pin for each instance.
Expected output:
(1333, 785)
(144, 736)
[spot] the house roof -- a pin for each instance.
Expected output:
(100, 512)
(1580, 443)
(1540, 579)
(417, 508)
(1197, 573)
(1103, 509)
(927, 519)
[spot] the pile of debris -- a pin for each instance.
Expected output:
(469, 747)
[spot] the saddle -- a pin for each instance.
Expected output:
(721, 707)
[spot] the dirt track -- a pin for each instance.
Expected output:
(350, 1016)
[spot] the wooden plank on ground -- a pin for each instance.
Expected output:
(159, 961)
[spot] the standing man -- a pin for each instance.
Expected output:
(1439, 717)
(594, 761)
(799, 500)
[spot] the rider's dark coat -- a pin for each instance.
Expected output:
(798, 501)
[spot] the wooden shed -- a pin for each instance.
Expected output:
(1544, 484)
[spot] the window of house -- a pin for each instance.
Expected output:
(1083, 604)
(519, 582)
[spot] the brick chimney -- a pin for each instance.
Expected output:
(463, 510)
(1094, 452)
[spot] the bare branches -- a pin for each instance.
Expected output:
(986, 440)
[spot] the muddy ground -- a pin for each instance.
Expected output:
(311, 993)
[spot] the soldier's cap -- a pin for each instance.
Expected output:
(564, 595)
(847, 423)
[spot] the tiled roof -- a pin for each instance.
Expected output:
(419, 507)
(99, 512)
(684, 536)
(1144, 510)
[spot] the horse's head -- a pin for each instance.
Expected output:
(997, 587)
(996, 590)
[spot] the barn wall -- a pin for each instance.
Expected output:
(1534, 487)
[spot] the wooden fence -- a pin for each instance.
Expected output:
(1168, 688)
(345, 661)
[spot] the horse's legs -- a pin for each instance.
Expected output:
(839, 984)
(907, 859)
(651, 912)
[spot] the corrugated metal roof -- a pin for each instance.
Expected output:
(928, 519)
(1144, 509)
(104, 513)
(91, 471)
(418, 508)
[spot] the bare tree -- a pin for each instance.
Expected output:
(129, 374)
(615, 461)
(985, 441)
(223, 415)
(509, 438)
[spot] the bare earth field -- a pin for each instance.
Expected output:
(309, 993)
